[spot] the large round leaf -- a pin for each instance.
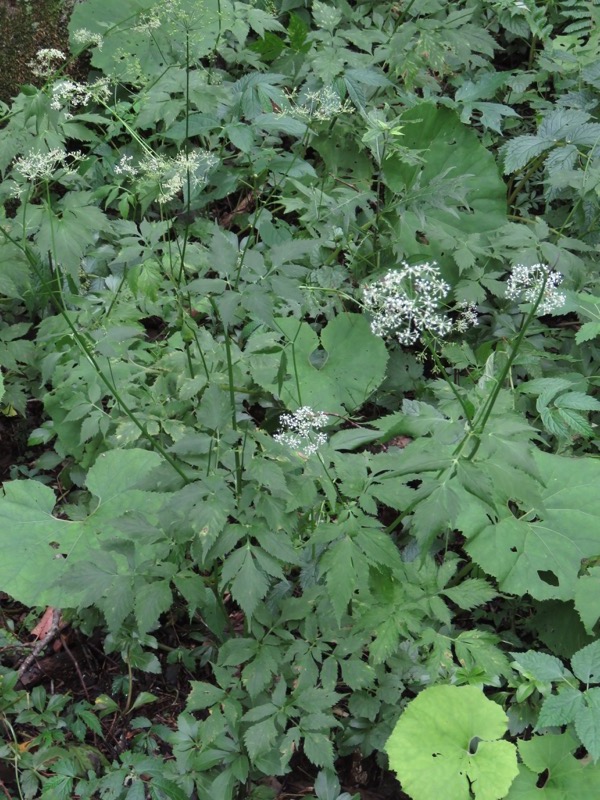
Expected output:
(456, 191)
(445, 745)
(338, 372)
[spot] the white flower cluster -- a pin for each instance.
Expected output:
(38, 165)
(86, 38)
(322, 105)
(525, 284)
(407, 302)
(467, 316)
(47, 61)
(303, 432)
(169, 173)
(69, 93)
(125, 167)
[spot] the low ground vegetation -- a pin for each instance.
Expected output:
(300, 305)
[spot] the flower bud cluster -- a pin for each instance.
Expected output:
(303, 432)
(525, 285)
(85, 38)
(407, 303)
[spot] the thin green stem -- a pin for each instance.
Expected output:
(88, 353)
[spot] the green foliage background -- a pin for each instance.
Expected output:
(185, 238)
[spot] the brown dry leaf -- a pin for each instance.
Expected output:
(46, 622)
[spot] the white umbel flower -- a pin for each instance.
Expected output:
(525, 284)
(407, 303)
(302, 431)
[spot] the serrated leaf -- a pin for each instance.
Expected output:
(576, 422)
(585, 663)
(429, 748)
(250, 584)
(151, 600)
(203, 695)
(587, 722)
(318, 748)
(543, 557)
(588, 331)
(471, 593)
(519, 152)
(340, 565)
(578, 401)
(259, 738)
(560, 709)
(541, 666)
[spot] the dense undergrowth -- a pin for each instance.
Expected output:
(300, 310)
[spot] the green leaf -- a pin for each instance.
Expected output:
(318, 748)
(151, 600)
(340, 564)
(560, 709)
(565, 777)
(587, 332)
(455, 163)
(540, 666)
(542, 557)
(471, 593)
(249, 584)
(587, 722)
(519, 151)
(586, 663)
(32, 538)
(203, 695)
(1, 386)
(587, 598)
(340, 371)
(445, 744)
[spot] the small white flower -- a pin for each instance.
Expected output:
(303, 431)
(171, 173)
(406, 303)
(321, 106)
(125, 167)
(85, 38)
(67, 93)
(525, 284)
(47, 61)
(467, 316)
(38, 165)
